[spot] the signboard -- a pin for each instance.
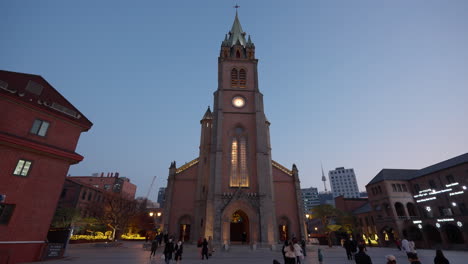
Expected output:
(54, 250)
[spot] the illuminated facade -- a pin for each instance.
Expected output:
(428, 206)
(234, 190)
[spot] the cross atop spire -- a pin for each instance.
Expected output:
(236, 35)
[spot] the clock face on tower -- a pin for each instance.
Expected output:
(238, 101)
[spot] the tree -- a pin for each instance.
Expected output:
(114, 212)
(325, 213)
(65, 217)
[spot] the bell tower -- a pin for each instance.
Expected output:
(240, 167)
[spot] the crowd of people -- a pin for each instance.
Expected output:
(293, 251)
(176, 250)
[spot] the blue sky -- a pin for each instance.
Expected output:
(361, 84)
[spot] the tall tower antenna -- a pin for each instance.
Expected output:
(324, 179)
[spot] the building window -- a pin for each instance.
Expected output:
(432, 184)
(83, 196)
(239, 176)
(39, 127)
(380, 189)
(242, 78)
(416, 188)
(22, 168)
(404, 187)
(399, 187)
(106, 186)
(234, 78)
(450, 179)
(6, 211)
(394, 187)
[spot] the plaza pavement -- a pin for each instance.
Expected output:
(132, 252)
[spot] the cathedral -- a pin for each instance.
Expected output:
(233, 191)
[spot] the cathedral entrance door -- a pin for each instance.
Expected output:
(239, 228)
(184, 232)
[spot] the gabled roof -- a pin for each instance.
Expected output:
(392, 174)
(281, 167)
(36, 91)
(404, 175)
(366, 208)
(442, 165)
(186, 165)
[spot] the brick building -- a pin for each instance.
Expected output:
(39, 131)
(76, 194)
(428, 206)
(233, 190)
(109, 182)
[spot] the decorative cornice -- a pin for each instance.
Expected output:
(281, 167)
(28, 145)
(186, 166)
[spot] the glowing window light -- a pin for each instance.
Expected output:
(426, 199)
(459, 224)
(417, 222)
(420, 226)
(454, 204)
(428, 208)
(456, 193)
(437, 225)
(451, 184)
(464, 187)
(446, 220)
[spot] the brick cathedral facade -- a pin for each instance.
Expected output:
(234, 191)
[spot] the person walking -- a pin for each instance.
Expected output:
(390, 259)
(303, 246)
(204, 249)
(154, 247)
(298, 252)
(285, 244)
(413, 258)
(320, 256)
(405, 246)
(348, 245)
(361, 257)
(168, 249)
(178, 249)
(440, 258)
(290, 255)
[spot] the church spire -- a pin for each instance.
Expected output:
(207, 115)
(236, 35)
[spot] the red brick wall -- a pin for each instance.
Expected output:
(35, 196)
(18, 120)
(285, 199)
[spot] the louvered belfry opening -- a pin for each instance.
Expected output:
(234, 78)
(242, 78)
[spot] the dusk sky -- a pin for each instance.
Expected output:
(360, 84)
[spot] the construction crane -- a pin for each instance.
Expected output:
(150, 188)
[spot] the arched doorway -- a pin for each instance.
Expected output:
(454, 235)
(283, 228)
(400, 209)
(433, 234)
(184, 228)
(239, 227)
(412, 211)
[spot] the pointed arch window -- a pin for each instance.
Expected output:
(234, 77)
(239, 172)
(242, 78)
